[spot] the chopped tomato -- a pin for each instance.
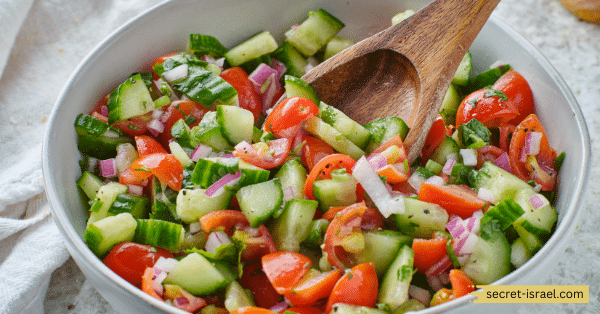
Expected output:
(128, 177)
(506, 133)
(146, 145)
(323, 169)
(252, 310)
(179, 109)
(134, 126)
(461, 283)
(182, 299)
(490, 107)
(256, 245)
(165, 167)
(146, 283)
(516, 88)
(314, 150)
(129, 260)
(436, 135)
(160, 60)
(526, 168)
(359, 286)
(428, 252)
(100, 117)
(303, 310)
(313, 287)
(455, 199)
(248, 96)
(100, 104)
(487, 153)
(265, 155)
(345, 225)
(285, 269)
(441, 296)
(288, 114)
(371, 218)
(254, 279)
(226, 220)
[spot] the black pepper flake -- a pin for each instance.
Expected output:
(184, 192)
(426, 211)
(410, 216)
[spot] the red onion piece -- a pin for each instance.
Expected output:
(157, 113)
(108, 168)
(503, 162)
(195, 227)
(415, 181)
(104, 111)
(456, 227)
(377, 161)
(439, 267)
(135, 189)
(262, 74)
(538, 201)
(278, 67)
(219, 187)
(466, 245)
(435, 283)
(532, 143)
(201, 151)
(253, 232)
(419, 294)
(444, 278)
(447, 169)
(155, 126)
(291, 30)
(218, 62)
(270, 93)
(216, 239)
(176, 73)
(279, 307)
(246, 147)
(157, 283)
(289, 193)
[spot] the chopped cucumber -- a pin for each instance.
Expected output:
(331, 136)
(292, 59)
(130, 99)
(461, 77)
(395, 284)
(293, 226)
(193, 204)
(351, 129)
(182, 135)
(519, 253)
(208, 132)
(160, 233)
(252, 174)
(256, 46)
(500, 182)
(504, 213)
(209, 170)
(485, 79)
(380, 248)
(490, 260)
(448, 146)
(538, 222)
(89, 184)
(450, 105)
(236, 297)
(292, 176)
(200, 45)
(103, 234)
(259, 201)
(383, 129)
(195, 274)
(103, 200)
(421, 219)
(340, 190)
(297, 87)
(314, 32)
(236, 123)
(180, 154)
(98, 139)
(335, 45)
(136, 205)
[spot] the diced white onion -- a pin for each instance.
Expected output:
(111, 133)
(374, 187)
(279, 307)
(466, 245)
(135, 189)
(155, 127)
(415, 181)
(176, 73)
(165, 264)
(157, 113)
(201, 151)
(532, 143)
(435, 180)
(469, 156)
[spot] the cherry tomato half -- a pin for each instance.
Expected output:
(516, 88)
(489, 106)
(129, 260)
(166, 167)
(179, 109)
(313, 287)
(285, 269)
(436, 135)
(146, 145)
(265, 155)
(254, 279)
(359, 286)
(456, 199)
(290, 113)
(314, 150)
(248, 96)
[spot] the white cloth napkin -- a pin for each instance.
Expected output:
(41, 44)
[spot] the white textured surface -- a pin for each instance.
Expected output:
(573, 47)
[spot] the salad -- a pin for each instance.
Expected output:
(208, 193)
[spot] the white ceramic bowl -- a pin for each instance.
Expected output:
(165, 27)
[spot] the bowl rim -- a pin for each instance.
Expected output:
(77, 245)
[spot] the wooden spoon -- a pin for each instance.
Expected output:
(404, 70)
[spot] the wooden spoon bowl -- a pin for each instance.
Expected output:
(404, 70)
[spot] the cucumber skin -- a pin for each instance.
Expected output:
(292, 175)
(103, 234)
(236, 123)
(159, 233)
(490, 260)
(91, 140)
(394, 287)
(130, 99)
(500, 182)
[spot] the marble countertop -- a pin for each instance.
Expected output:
(573, 47)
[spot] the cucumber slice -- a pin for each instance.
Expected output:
(421, 219)
(103, 234)
(252, 174)
(461, 77)
(485, 79)
(259, 201)
(538, 222)
(193, 204)
(381, 247)
(292, 176)
(293, 226)
(104, 198)
(448, 146)
(291, 58)
(297, 87)
(256, 46)
(208, 171)
(314, 32)
(490, 260)
(450, 105)
(351, 129)
(504, 213)
(383, 129)
(195, 274)
(130, 99)
(180, 154)
(208, 132)
(500, 182)
(395, 284)
(335, 45)
(331, 136)
(89, 184)
(236, 297)
(519, 253)
(164, 234)
(136, 205)
(340, 190)
(200, 45)
(182, 135)
(98, 139)
(236, 123)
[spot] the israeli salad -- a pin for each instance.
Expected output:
(208, 196)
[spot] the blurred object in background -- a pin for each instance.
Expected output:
(587, 10)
